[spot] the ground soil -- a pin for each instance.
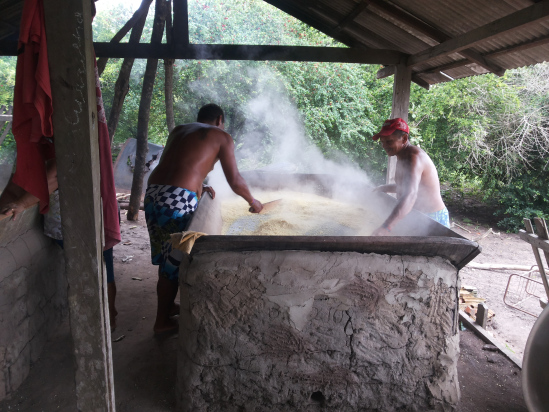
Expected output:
(145, 367)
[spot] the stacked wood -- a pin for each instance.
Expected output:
(468, 302)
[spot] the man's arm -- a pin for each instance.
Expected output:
(407, 198)
(235, 180)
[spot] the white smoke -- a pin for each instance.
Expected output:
(289, 149)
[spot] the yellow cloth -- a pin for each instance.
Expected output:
(184, 241)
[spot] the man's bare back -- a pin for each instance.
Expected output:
(191, 153)
(428, 192)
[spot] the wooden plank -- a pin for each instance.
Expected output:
(6, 117)
(246, 52)
(501, 266)
(71, 64)
(529, 15)
(180, 23)
(534, 240)
(488, 338)
(401, 103)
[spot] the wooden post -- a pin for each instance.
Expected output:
(401, 103)
(180, 24)
(71, 62)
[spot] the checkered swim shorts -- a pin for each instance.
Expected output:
(442, 217)
(168, 210)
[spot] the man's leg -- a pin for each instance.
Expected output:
(111, 286)
(166, 291)
(111, 294)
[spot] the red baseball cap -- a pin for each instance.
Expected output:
(390, 126)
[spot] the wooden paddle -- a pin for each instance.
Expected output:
(269, 205)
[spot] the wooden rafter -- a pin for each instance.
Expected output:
(435, 34)
(246, 52)
(506, 50)
(290, 8)
(359, 8)
(510, 22)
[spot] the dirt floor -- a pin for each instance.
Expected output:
(145, 367)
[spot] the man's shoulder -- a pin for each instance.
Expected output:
(201, 129)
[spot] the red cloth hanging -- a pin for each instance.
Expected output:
(111, 223)
(32, 106)
(33, 127)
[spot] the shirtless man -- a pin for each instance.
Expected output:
(416, 179)
(174, 188)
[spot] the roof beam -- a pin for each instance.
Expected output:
(513, 21)
(435, 34)
(363, 5)
(290, 8)
(246, 52)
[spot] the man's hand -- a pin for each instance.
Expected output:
(12, 209)
(209, 190)
(256, 206)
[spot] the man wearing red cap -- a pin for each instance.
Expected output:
(416, 178)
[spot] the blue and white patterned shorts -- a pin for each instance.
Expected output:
(168, 210)
(442, 217)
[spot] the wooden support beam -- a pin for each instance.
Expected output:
(71, 64)
(359, 8)
(401, 104)
(180, 23)
(513, 21)
(390, 70)
(245, 52)
(142, 10)
(488, 338)
(385, 72)
(483, 61)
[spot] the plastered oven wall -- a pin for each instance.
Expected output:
(306, 330)
(33, 295)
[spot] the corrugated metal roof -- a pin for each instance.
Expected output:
(410, 27)
(416, 26)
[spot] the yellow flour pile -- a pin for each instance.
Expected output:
(299, 214)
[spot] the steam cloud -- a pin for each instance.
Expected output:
(279, 143)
